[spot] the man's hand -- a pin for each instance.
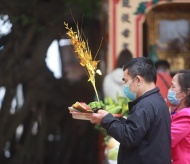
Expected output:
(95, 118)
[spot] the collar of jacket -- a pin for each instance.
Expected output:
(155, 90)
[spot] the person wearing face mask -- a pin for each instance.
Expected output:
(179, 95)
(144, 136)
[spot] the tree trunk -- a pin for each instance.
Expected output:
(59, 138)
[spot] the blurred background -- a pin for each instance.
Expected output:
(40, 75)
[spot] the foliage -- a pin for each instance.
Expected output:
(90, 9)
(35, 25)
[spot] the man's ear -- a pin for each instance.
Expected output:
(139, 80)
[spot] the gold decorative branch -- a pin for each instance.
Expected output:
(84, 55)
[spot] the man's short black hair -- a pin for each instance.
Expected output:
(141, 66)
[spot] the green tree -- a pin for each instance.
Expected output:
(59, 138)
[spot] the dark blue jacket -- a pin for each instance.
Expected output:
(145, 135)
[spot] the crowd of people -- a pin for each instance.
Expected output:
(152, 132)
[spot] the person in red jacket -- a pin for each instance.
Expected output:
(179, 95)
(163, 78)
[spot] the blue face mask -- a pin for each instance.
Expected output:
(172, 97)
(130, 95)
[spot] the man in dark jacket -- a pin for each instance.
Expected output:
(144, 136)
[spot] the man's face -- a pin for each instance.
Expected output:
(126, 77)
(130, 81)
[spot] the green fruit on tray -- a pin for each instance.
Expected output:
(96, 105)
(113, 109)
